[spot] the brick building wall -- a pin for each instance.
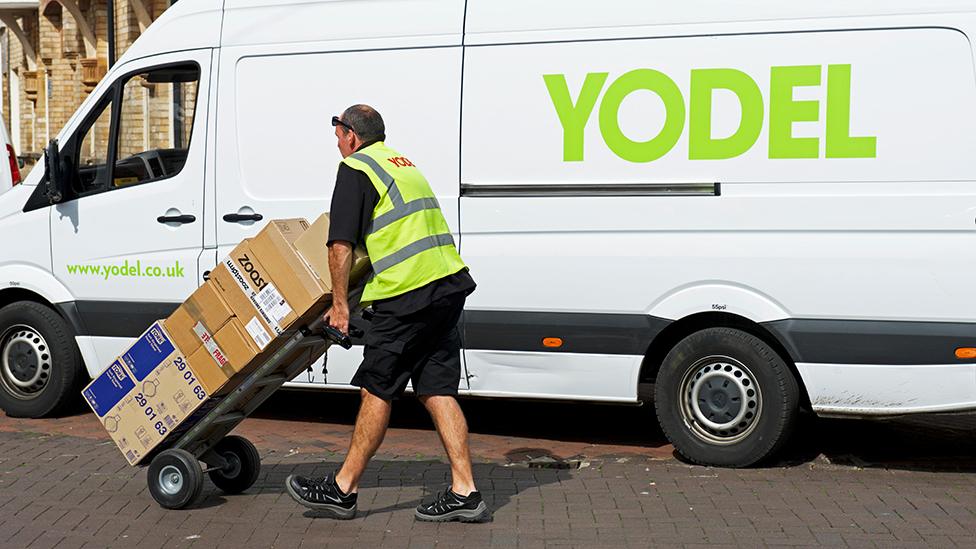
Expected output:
(48, 96)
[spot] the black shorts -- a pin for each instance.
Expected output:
(422, 347)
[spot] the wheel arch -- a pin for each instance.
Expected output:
(32, 283)
(67, 310)
(663, 342)
(13, 295)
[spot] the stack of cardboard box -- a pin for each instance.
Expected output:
(267, 287)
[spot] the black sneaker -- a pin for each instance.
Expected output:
(322, 495)
(449, 506)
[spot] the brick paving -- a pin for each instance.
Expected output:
(908, 483)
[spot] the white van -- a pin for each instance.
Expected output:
(755, 207)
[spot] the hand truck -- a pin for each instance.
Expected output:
(175, 475)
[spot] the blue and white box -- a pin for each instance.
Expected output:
(151, 349)
(108, 389)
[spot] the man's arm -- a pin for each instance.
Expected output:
(353, 201)
(340, 264)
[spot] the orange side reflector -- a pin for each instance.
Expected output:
(966, 352)
(552, 342)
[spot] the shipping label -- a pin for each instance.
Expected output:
(260, 336)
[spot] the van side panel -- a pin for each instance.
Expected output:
(278, 154)
(637, 194)
(25, 263)
(880, 390)
(491, 21)
(894, 93)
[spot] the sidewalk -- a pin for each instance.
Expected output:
(63, 484)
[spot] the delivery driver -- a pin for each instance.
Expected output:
(418, 289)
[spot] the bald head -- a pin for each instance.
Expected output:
(367, 123)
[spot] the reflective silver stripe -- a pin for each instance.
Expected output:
(382, 174)
(412, 249)
(399, 212)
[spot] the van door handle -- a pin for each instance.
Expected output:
(185, 218)
(237, 218)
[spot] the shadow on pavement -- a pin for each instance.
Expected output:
(563, 421)
(498, 483)
(931, 442)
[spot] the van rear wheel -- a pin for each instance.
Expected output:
(726, 398)
(39, 362)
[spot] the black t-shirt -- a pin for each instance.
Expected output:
(353, 202)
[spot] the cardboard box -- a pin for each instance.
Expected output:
(108, 389)
(155, 408)
(313, 247)
(180, 326)
(247, 288)
(288, 229)
(237, 344)
(296, 281)
(220, 359)
(266, 277)
(143, 405)
(150, 350)
(204, 307)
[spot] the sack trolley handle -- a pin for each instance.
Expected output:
(341, 339)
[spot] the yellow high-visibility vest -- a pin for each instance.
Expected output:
(409, 242)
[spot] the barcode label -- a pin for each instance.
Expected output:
(273, 303)
(260, 336)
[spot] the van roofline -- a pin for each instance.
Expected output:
(184, 26)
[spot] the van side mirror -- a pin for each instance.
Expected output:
(55, 178)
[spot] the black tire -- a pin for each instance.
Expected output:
(41, 370)
(696, 391)
(175, 479)
(243, 465)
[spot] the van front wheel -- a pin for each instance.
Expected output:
(725, 398)
(39, 362)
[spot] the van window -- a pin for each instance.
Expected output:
(155, 124)
(94, 150)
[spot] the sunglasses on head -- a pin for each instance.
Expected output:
(337, 122)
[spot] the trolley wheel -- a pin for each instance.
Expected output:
(175, 478)
(243, 465)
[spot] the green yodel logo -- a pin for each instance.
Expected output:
(784, 111)
(136, 269)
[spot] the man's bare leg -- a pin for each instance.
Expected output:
(371, 424)
(453, 430)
